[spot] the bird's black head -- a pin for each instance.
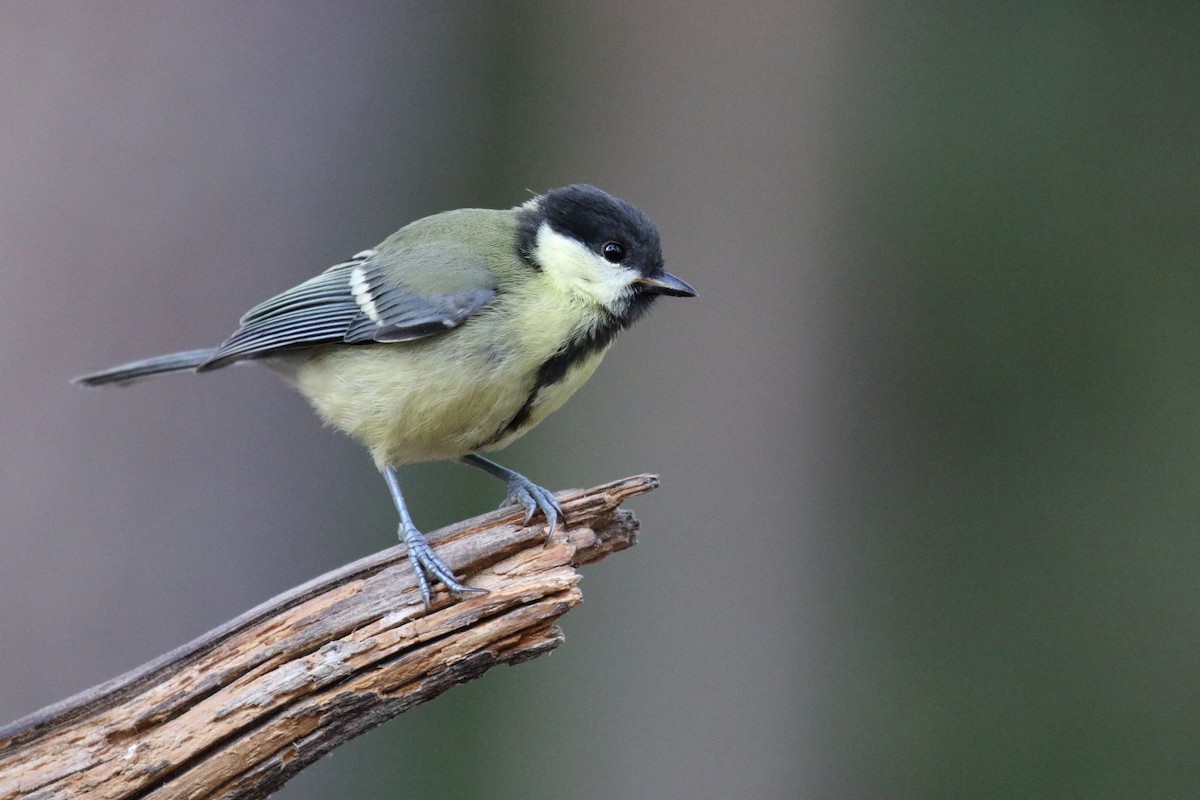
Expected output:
(599, 244)
(608, 226)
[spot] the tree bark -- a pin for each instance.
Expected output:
(238, 711)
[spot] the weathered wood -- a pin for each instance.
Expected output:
(238, 711)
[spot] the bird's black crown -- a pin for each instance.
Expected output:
(595, 218)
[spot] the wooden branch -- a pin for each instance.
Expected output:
(240, 710)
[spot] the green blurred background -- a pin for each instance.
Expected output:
(929, 438)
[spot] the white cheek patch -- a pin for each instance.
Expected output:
(575, 268)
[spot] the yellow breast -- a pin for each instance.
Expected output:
(453, 393)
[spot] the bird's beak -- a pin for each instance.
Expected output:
(665, 283)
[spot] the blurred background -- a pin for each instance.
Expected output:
(929, 438)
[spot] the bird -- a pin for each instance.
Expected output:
(453, 337)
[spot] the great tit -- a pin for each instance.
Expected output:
(455, 336)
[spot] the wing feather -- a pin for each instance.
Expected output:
(351, 303)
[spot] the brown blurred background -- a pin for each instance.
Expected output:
(929, 438)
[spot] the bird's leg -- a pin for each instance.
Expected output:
(522, 492)
(425, 562)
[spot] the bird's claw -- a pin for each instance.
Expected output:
(429, 567)
(531, 497)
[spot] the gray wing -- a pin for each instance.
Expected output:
(349, 303)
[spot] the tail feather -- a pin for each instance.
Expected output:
(136, 370)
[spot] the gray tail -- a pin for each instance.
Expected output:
(136, 370)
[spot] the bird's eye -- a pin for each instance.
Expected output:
(614, 252)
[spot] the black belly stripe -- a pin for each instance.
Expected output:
(516, 423)
(578, 348)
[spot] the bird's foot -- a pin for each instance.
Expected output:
(429, 567)
(531, 497)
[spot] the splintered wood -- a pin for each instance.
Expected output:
(240, 710)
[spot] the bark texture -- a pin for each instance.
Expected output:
(238, 711)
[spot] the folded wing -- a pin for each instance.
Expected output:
(351, 303)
